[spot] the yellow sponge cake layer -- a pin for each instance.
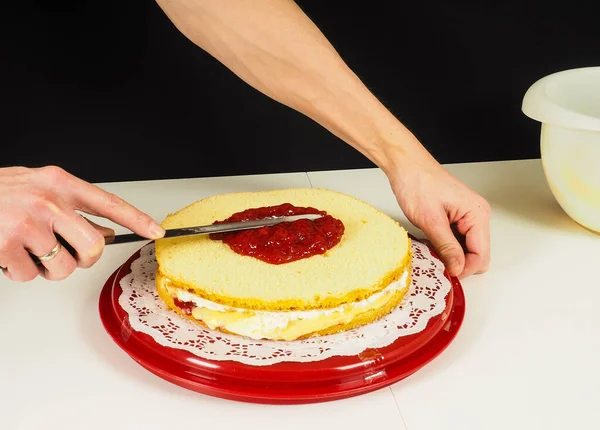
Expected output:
(373, 252)
(283, 325)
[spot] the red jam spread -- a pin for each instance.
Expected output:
(186, 307)
(284, 242)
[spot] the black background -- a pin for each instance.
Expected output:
(110, 90)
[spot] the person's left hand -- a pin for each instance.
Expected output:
(453, 217)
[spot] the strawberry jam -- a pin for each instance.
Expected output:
(186, 307)
(284, 242)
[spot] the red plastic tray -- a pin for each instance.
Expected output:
(283, 383)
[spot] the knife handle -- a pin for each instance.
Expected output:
(115, 239)
(124, 238)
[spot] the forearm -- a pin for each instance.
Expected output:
(274, 47)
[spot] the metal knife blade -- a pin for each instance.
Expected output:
(212, 228)
(190, 231)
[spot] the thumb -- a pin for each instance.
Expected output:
(440, 234)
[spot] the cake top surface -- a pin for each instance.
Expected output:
(374, 250)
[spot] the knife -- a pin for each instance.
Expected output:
(213, 228)
(197, 230)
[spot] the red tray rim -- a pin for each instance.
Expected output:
(280, 383)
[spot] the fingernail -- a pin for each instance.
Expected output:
(156, 231)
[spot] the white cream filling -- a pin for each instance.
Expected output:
(262, 323)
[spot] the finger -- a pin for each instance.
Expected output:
(93, 200)
(473, 265)
(87, 241)
(43, 242)
(476, 232)
(18, 266)
(438, 230)
(477, 257)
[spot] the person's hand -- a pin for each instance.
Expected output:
(454, 218)
(38, 204)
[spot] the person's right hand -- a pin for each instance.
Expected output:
(36, 204)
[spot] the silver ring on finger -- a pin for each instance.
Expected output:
(51, 254)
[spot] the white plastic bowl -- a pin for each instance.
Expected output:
(568, 106)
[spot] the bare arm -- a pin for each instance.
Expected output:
(274, 47)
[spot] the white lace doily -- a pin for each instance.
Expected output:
(148, 314)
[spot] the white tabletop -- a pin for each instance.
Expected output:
(526, 357)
